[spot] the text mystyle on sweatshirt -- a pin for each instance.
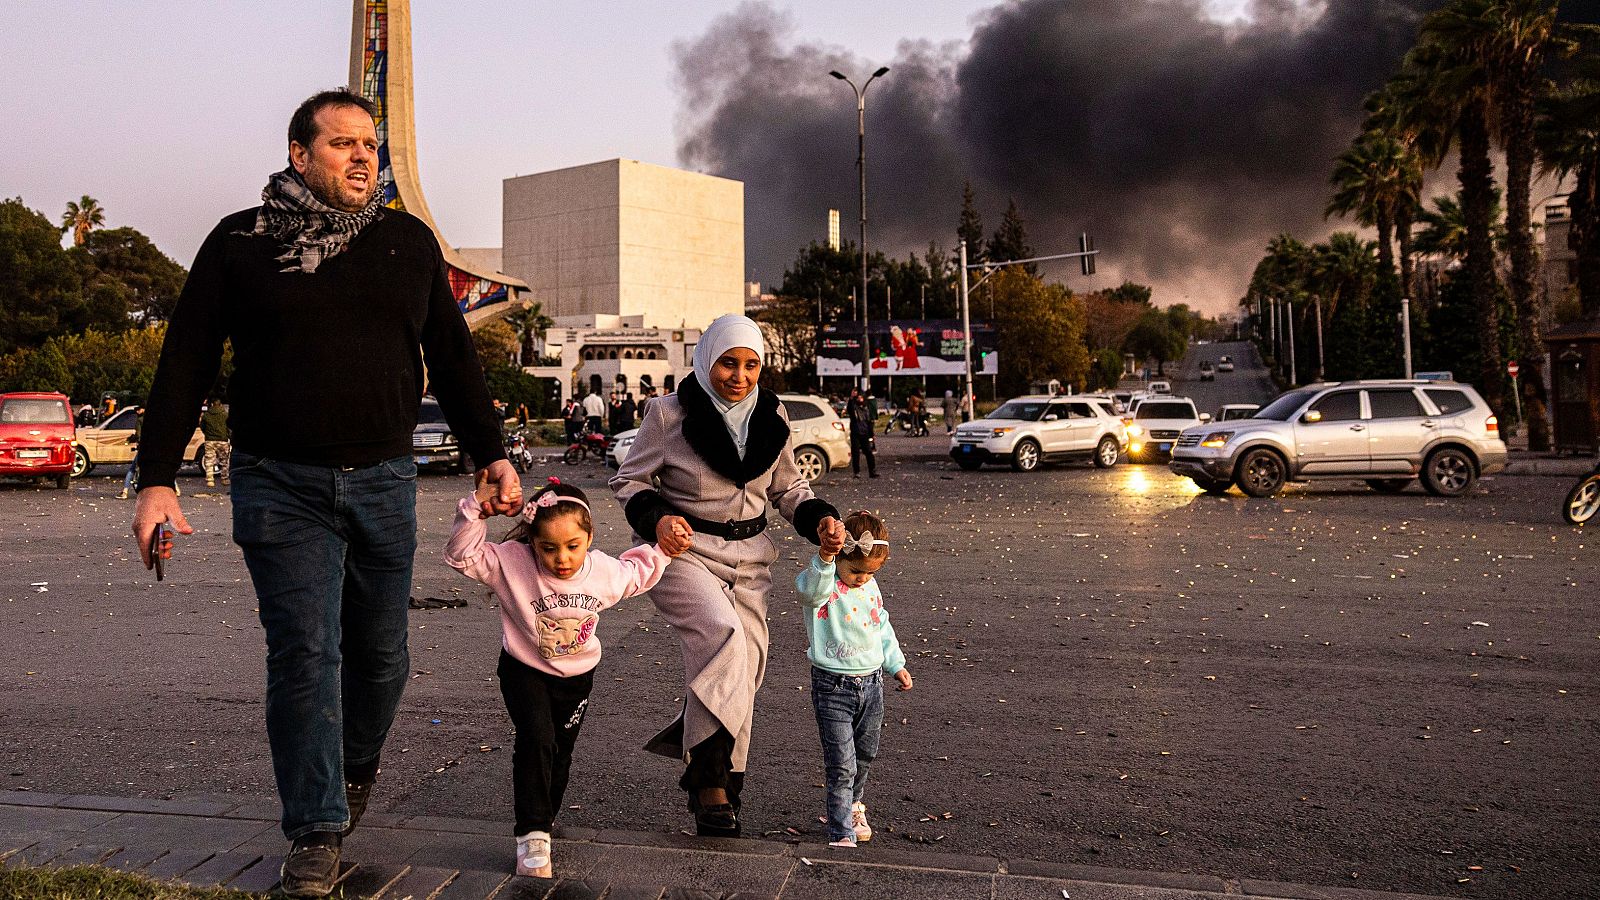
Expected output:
(549, 622)
(849, 627)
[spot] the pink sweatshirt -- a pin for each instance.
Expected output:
(548, 622)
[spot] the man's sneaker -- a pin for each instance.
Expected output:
(355, 798)
(533, 854)
(858, 822)
(849, 842)
(312, 867)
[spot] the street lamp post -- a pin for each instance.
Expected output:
(861, 166)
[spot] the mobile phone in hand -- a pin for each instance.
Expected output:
(157, 539)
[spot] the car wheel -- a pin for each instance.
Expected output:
(1105, 455)
(1448, 472)
(1262, 473)
(1583, 501)
(1026, 457)
(64, 482)
(813, 465)
(80, 462)
(1388, 485)
(969, 465)
(1211, 485)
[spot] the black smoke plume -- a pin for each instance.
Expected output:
(1182, 144)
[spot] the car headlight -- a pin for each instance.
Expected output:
(1134, 431)
(624, 443)
(998, 432)
(1217, 439)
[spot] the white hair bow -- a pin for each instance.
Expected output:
(863, 542)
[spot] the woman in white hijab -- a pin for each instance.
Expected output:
(708, 461)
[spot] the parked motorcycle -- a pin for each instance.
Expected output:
(589, 444)
(517, 451)
(1583, 501)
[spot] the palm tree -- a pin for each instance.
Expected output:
(1444, 228)
(1443, 80)
(1376, 181)
(1513, 40)
(1415, 147)
(528, 321)
(1568, 138)
(82, 216)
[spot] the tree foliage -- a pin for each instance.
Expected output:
(1040, 331)
(41, 291)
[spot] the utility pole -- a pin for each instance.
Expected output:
(861, 164)
(1321, 373)
(1405, 330)
(1294, 370)
(966, 336)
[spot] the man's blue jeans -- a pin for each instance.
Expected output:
(850, 721)
(330, 552)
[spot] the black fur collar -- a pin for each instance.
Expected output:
(707, 433)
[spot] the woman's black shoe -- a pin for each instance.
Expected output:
(715, 820)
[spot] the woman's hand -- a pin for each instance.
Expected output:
(830, 537)
(673, 534)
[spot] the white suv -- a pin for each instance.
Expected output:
(1027, 431)
(1155, 423)
(1388, 433)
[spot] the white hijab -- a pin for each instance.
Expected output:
(728, 333)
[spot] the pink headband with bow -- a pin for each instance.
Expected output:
(548, 499)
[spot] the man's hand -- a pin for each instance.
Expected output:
(155, 506)
(904, 677)
(506, 495)
(830, 537)
(673, 534)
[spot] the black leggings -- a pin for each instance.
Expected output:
(547, 711)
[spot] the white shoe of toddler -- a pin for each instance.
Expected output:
(533, 854)
(849, 842)
(858, 822)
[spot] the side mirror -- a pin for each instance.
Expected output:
(1205, 417)
(1051, 417)
(1312, 417)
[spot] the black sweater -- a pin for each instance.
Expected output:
(328, 367)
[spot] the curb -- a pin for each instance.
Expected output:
(454, 860)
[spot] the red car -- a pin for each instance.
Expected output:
(37, 436)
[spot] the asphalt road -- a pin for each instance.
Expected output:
(1331, 687)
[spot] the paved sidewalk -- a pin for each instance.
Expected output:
(429, 858)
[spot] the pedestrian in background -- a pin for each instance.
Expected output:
(339, 310)
(217, 454)
(862, 415)
(628, 410)
(131, 479)
(594, 409)
(948, 409)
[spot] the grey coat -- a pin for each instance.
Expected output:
(715, 594)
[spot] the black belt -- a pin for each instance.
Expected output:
(729, 530)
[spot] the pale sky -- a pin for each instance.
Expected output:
(172, 114)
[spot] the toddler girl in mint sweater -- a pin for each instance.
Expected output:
(852, 643)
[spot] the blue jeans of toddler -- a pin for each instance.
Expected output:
(850, 721)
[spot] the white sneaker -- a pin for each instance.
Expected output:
(849, 842)
(533, 854)
(858, 822)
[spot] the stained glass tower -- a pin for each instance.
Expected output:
(380, 68)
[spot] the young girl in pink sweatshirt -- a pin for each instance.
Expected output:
(551, 590)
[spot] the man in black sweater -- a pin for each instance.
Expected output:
(332, 302)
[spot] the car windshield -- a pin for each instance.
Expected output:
(35, 412)
(430, 414)
(1282, 408)
(1026, 410)
(1164, 409)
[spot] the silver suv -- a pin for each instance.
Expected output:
(1389, 433)
(1026, 431)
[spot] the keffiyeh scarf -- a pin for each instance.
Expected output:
(313, 230)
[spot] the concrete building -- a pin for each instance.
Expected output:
(1560, 262)
(631, 260)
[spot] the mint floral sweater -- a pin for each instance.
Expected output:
(849, 627)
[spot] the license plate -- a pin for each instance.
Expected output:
(1165, 447)
(966, 448)
(33, 454)
(423, 460)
